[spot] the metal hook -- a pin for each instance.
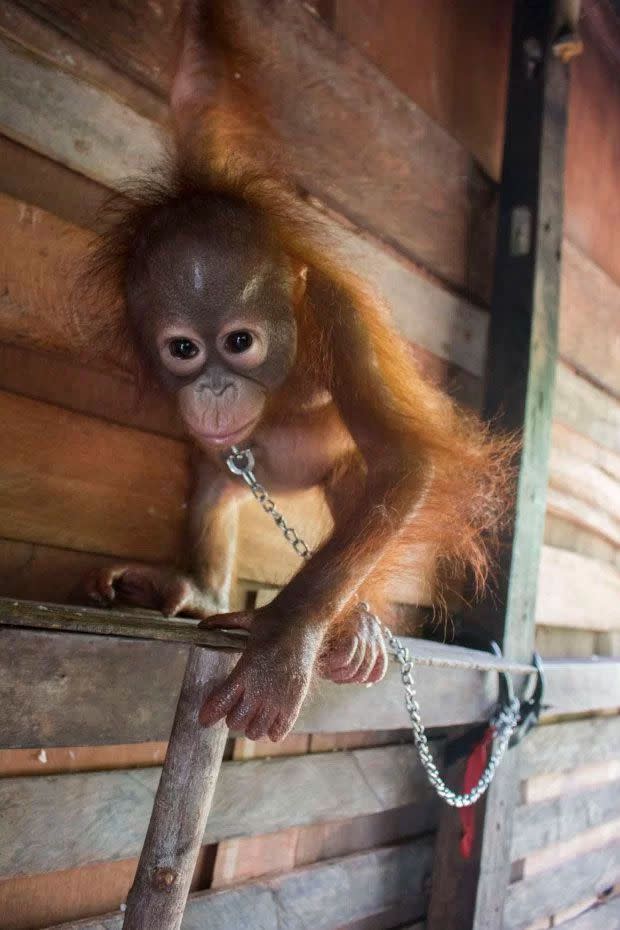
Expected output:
(530, 708)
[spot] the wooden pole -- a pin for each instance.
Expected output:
(159, 893)
(521, 364)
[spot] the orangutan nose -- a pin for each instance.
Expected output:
(216, 384)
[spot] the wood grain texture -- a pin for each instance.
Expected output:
(38, 263)
(73, 481)
(86, 128)
(593, 169)
(446, 56)
(182, 802)
(562, 747)
(100, 816)
(322, 896)
(584, 483)
(561, 533)
(547, 893)
(41, 182)
(62, 380)
(562, 818)
(575, 591)
(590, 340)
(585, 408)
(398, 190)
(58, 672)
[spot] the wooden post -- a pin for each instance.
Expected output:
(182, 803)
(520, 376)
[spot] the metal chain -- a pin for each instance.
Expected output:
(242, 464)
(503, 723)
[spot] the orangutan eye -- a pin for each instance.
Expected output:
(183, 348)
(239, 341)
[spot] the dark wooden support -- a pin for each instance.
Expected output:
(182, 803)
(521, 366)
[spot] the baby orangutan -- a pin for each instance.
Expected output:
(234, 303)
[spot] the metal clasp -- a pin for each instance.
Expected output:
(241, 462)
(530, 708)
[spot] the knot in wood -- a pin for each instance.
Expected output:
(164, 879)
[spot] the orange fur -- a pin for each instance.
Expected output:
(448, 477)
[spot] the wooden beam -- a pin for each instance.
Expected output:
(58, 672)
(554, 889)
(150, 625)
(100, 816)
(522, 353)
(87, 129)
(323, 896)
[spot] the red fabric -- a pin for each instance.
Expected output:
(473, 770)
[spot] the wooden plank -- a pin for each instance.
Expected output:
(560, 533)
(75, 482)
(99, 816)
(551, 856)
(567, 642)
(427, 313)
(594, 139)
(461, 57)
(61, 761)
(588, 318)
(547, 893)
(57, 49)
(574, 591)
(522, 353)
(323, 896)
(585, 483)
(58, 672)
(606, 916)
(562, 818)
(40, 255)
(43, 573)
(407, 190)
(582, 778)
(585, 408)
(108, 395)
(150, 625)
(38, 900)
(562, 747)
(85, 128)
(44, 183)
(72, 481)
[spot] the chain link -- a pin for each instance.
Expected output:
(505, 719)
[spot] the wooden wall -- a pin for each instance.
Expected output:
(88, 473)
